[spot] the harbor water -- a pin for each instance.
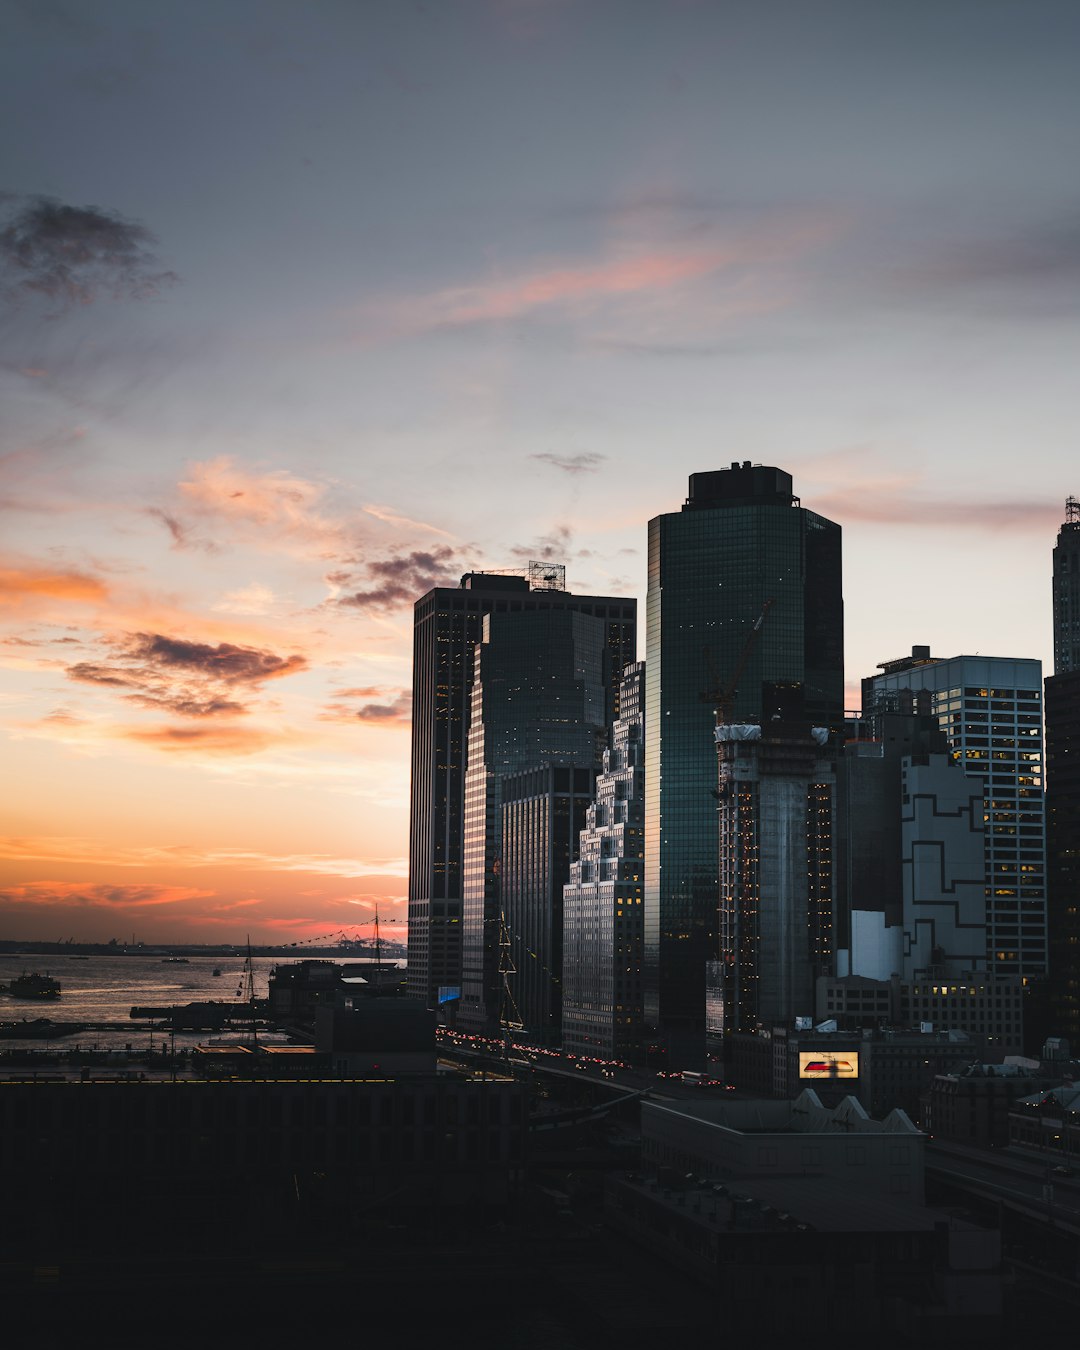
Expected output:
(100, 991)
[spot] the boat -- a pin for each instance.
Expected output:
(34, 985)
(39, 1029)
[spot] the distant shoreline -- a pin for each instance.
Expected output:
(391, 951)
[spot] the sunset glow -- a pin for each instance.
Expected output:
(408, 292)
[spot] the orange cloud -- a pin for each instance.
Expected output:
(275, 501)
(26, 584)
(98, 895)
(226, 739)
(73, 850)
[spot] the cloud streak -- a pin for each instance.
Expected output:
(99, 895)
(634, 272)
(69, 849)
(585, 462)
(881, 505)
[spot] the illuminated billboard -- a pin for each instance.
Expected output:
(827, 1064)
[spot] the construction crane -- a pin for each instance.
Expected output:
(722, 696)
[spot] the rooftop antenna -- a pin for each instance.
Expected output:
(509, 1016)
(249, 976)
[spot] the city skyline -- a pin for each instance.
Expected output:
(308, 311)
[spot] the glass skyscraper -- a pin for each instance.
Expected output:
(742, 543)
(1063, 782)
(1067, 592)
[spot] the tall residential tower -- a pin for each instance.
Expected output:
(990, 708)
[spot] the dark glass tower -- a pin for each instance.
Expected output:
(741, 540)
(1067, 592)
(1063, 783)
(447, 624)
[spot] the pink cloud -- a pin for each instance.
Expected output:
(882, 504)
(646, 271)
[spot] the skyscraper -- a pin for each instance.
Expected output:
(446, 627)
(1063, 783)
(539, 699)
(991, 710)
(741, 541)
(1067, 591)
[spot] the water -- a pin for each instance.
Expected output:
(106, 988)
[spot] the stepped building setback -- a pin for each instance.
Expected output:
(602, 911)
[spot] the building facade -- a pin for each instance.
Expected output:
(741, 544)
(447, 624)
(991, 710)
(603, 902)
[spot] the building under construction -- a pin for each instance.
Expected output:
(776, 789)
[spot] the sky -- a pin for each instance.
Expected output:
(308, 306)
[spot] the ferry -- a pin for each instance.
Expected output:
(34, 986)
